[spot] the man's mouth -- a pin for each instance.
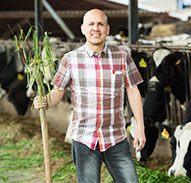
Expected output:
(96, 35)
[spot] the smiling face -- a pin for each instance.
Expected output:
(95, 28)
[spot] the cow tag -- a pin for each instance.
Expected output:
(142, 63)
(19, 76)
(178, 62)
(165, 134)
(128, 128)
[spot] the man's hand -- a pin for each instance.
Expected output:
(139, 140)
(38, 103)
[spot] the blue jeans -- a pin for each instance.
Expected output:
(117, 159)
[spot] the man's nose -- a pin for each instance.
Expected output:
(96, 27)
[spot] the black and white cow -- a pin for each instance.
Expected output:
(154, 107)
(14, 84)
(143, 63)
(181, 147)
(17, 94)
(170, 73)
(154, 111)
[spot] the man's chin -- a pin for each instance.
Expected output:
(97, 43)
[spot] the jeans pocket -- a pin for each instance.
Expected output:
(121, 147)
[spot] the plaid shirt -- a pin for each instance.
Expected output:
(97, 87)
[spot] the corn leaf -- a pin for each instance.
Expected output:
(28, 33)
(17, 46)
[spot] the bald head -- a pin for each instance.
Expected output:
(95, 12)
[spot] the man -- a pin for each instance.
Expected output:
(97, 73)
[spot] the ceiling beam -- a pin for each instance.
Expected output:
(14, 29)
(106, 4)
(58, 20)
(72, 14)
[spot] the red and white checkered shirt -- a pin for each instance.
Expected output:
(97, 87)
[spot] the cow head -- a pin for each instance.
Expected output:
(181, 151)
(159, 54)
(170, 64)
(171, 74)
(144, 65)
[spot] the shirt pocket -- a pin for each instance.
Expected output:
(117, 78)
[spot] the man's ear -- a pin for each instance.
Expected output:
(82, 29)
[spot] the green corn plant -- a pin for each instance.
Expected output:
(34, 64)
(35, 67)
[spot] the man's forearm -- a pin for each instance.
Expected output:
(54, 97)
(135, 102)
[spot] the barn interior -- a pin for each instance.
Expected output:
(62, 19)
(21, 14)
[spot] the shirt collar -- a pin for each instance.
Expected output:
(91, 53)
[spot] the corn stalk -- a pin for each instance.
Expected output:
(35, 69)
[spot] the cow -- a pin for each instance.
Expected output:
(147, 64)
(181, 147)
(8, 73)
(159, 54)
(169, 69)
(17, 94)
(171, 73)
(4, 63)
(13, 82)
(144, 64)
(154, 106)
(154, 111)
(143, 30)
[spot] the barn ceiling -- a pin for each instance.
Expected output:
(20, 13)
(61, 5)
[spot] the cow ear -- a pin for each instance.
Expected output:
(180, 57)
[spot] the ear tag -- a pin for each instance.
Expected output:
(165, 134)
(128, 128)
(19, 76)
(142, 63)
(178, 62)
